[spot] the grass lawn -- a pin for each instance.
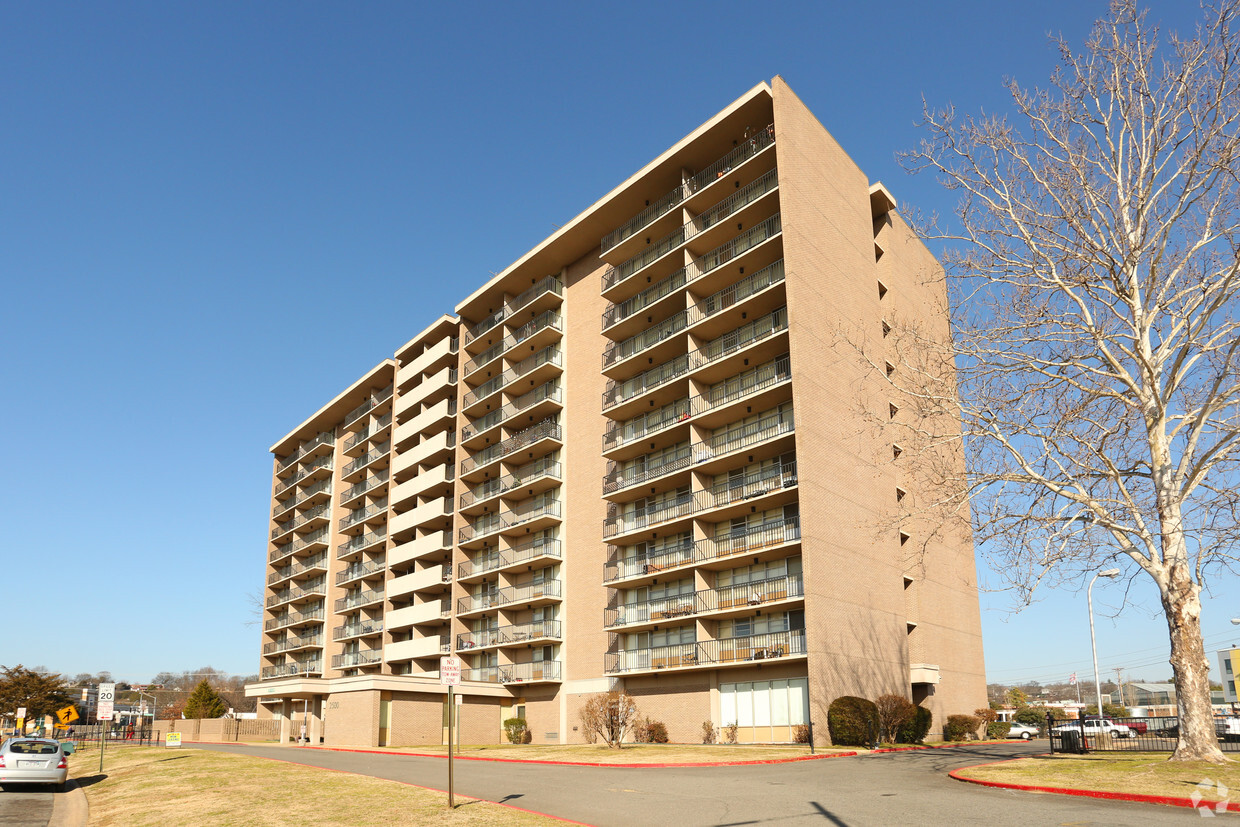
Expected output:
(630, 754)
(1141, 773)
(188, 788)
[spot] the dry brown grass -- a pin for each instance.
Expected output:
(630, 754)
(188, 788)
(1143, 774)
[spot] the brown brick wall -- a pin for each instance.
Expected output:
(351, 719)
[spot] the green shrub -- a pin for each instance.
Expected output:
(516, 730)
(852, 721)
(996, 730)
(916, 730)
(1030, 716)
(961, 727)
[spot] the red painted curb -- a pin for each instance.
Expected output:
(951, 745)
(1171, 801)
(584, 764)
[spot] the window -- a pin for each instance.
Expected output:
(765, 703)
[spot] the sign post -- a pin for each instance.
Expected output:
(450, 676)
(107, 695)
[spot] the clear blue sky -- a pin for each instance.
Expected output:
(215, 216)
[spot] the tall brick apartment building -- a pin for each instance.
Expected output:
(636, 458)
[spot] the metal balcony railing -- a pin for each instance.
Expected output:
(618, 351)
(544, 320)
(496, 559)
(354, 439)
(321, 461)
(361, 541)
(294, 619)
(319, 487)
(360, 629)
(774, 477)
(548, 428)
(358, 570)
(767, 426)
(617, 392)
(736, 293)
(290, 643)
(547, 390)
(292, 670)
(301, 519)
(370, 456)
(736, 201)
(549, 355)
(508, 596)
(509, 635)
(375, 399)
(744, 336)
(318, 561)
(357, 599)
(323, 438)
(548, 284)
(648, 424)
(743, 384)
(708, 652)
(749, 147)
(315, 588)
(616, 313)
(348, 660)
(644, 469)
(755, 594)
(357, 515)
(543, 467)
(622, 564)
(481, 674)
(643, 515)
(490, 523)
(744, 242)
(543, 670)
(649, 254)
(368, 484)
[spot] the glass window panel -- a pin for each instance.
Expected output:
(762, 703)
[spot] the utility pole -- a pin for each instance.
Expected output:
(1119, 681)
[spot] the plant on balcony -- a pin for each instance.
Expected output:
(610, 716)
(517, 731)
(894, 711)
(917, 728)
(853, 722)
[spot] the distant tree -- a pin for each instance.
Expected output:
(1017, 698)
(40, 692)
(204, 702)
(1030, 716)
(83, 679)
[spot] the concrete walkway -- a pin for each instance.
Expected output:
(37, 807)
(894, 788)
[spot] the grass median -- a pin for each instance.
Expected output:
(1139, 774)
(630, 754)
(186, 787)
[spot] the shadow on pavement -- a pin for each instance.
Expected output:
(88, 780)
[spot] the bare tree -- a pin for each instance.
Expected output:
(1092, 271)
(894, 711)
(608, 715)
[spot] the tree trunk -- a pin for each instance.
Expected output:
(1191, 669)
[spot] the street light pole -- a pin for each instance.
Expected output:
(1089, 594)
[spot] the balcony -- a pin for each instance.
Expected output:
(308, 669)
(644, 516)
(290, 644)
(548, 391)
(434, 578)
(747, 487)
(736, 293)
(740, 651)
(532, 595)
(541, 672)
(374, 454)
(548, 320)
(544, 550)
(432, 646)
(404, 495)
(375, 399)
(708, 363)
(298, 567)
(434, 544)
(359, 599)
(619, 392)
(358, 544)
(743, 243)
(650, 468)
(750, 385)
(436, 417)
(762, 539)
(360, 515)
(549, 285)
(367, 485)
(639, 428)
(311, 541)
(523, 477)
(310, 515)
(770, 426)
(359, 571)
(430, 513)
(550, 355)
(617, 313)
(307, 494)
(616, 352)
(438, 355)
(743, 152)
(365, 628)
(435, 612)
(296, 594)
(350, 660)
(548, 429)
(323, 438)
(324, 461)
(649, 254)
(739, 599)
(293, 619)
(515, 635)
(536, 514)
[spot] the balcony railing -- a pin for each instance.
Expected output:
(543, 670)
(637, 343)
(754, 594)
(749, 147)
(617, 392)
(367, 458)
(549, 428)
(375, 399)
(358, 570)
(639, 427)
(618, 476)
(616, 313)
(323, 438)
(301, 519)
(768, 426)
(360, 542)
(547, 390)
(550, 355)
(293, 619)
(358, 515)
(365, 597)
(753, 484)
(648, 255)
(733, 294)
(309, 468)
(509, 635)
(348, 660)
(368, 484)
(316, 588)
(544, 320)
(293, 670)
(496, 560)
(738, 200)
(744, 336)
(621, 565)
(318, 561)
(290, 643)
(708, 652)
(542, 467)
(318, 488)
(520, 515)
(548, 284)
(742, 243)
(361, 629)
(508, 596)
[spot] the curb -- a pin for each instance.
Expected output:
(950, 746)
(70, 808)
(635, 766)
(1167, 800)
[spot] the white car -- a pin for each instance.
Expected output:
(1095, 727)
(1022, 731)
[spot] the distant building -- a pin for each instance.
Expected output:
(1228, 666)
(1144, 694)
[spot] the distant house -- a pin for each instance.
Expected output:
(1228, 667)
(1145, 694)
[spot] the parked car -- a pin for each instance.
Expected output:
(1022, 731)
(1095, 727)
(1227, 729)
(34, 761)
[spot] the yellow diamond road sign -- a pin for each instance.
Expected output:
(67, 715)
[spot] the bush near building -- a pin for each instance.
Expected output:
(852, 721)
(916, 730)
(960, 727)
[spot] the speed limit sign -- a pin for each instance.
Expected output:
(107, 695)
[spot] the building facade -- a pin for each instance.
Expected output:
(637, 458)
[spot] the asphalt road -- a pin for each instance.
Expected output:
(27, 806)
(895, 788)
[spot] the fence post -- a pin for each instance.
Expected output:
(1050, 733)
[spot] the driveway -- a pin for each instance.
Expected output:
(894, 788)
(27, 806)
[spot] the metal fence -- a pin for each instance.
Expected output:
(1132, 734)
(88, 737)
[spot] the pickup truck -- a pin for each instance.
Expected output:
(1095, 727)
(1137, 726)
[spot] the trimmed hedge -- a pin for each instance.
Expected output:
(852, 722)
(998, 729)
(961, 727)
(916, 730)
